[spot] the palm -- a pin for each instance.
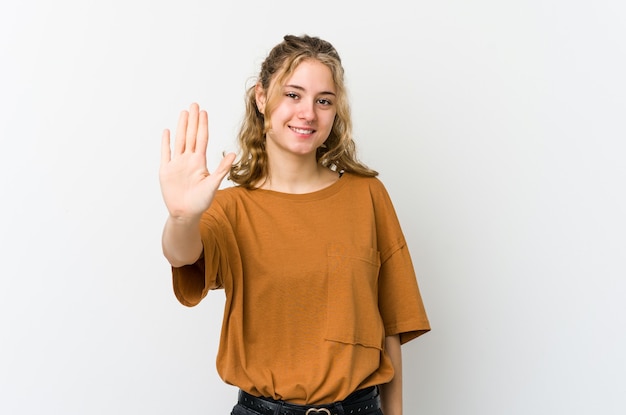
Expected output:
(186, 184)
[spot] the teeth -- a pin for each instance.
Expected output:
(301, 130)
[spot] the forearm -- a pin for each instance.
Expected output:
(391, 393)
(181, 241)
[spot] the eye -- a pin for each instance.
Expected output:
(292, 95)
(324, 101)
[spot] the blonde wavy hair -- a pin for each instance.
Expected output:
(338, 151)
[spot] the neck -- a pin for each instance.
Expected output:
(297, 175)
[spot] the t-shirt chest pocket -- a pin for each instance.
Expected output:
(353, 315)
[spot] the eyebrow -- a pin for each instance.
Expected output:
(298, 87)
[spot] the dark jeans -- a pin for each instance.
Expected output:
(240, 409)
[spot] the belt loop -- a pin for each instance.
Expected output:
(338, 408)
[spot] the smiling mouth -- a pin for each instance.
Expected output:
(302, 130)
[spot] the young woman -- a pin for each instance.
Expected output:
(320, 288)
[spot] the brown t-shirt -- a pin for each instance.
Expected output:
(313, 282)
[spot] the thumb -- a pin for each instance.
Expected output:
(224, 166)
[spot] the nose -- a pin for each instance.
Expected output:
(307, 111)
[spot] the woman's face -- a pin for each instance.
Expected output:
(304, 113)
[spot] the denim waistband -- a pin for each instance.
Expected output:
(361, 402)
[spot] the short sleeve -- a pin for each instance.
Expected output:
(193, 282)
(399, 298)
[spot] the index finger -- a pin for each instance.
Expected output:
(179, 140)
(192, 128)
(203, 132)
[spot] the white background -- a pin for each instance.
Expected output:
(497, 126)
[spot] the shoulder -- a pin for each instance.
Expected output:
(370, 191)
(228, 198)
(231, 192)
(365, 183)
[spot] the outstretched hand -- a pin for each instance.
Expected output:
(186, 184)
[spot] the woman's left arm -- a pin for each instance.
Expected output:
(391, 393)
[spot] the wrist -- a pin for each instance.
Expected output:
(183, 220)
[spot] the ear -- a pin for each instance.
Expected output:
(259, 94)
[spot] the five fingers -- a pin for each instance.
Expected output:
(192, 134)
